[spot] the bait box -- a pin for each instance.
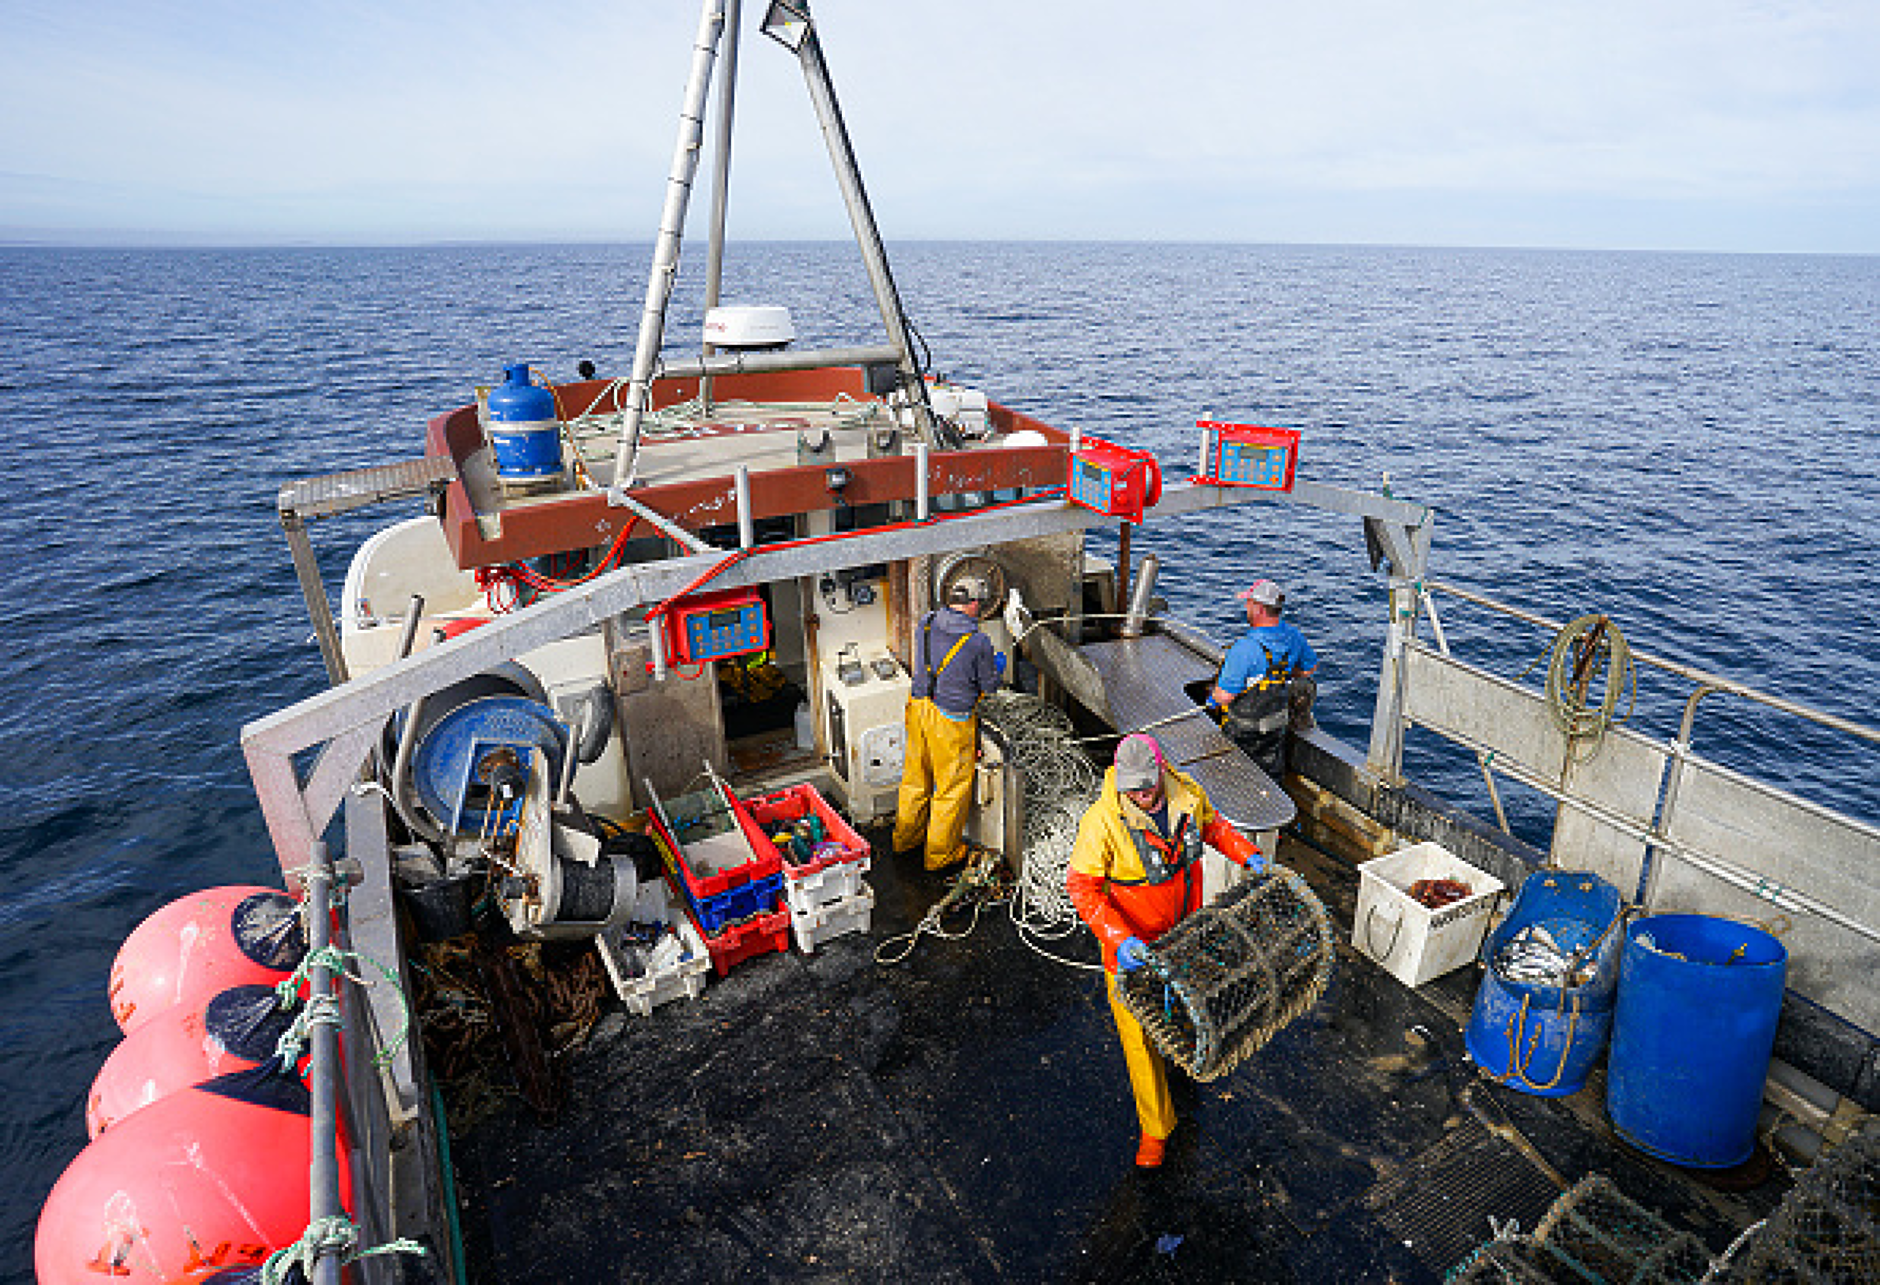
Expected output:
(827, 887)
(834, 876)
(1406, 938)
(706, 840)
(754, 936)
(686, 979)
(819, 924)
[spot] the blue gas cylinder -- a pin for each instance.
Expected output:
(523, 429)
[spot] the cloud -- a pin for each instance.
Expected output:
(973, 119)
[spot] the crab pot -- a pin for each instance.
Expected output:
(1231, 976)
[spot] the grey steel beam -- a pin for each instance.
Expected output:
(760, 363)
(721, 177)
(269, 743)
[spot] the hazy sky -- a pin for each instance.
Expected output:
(1677, 124)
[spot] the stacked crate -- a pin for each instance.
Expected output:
(823, 861)
(656, 956)
(733, 888)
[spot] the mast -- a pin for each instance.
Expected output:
(788, 22)
(666, 249)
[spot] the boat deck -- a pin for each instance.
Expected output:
(964, 1115)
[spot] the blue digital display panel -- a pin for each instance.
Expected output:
(730, 631)
(1090, 485)
(1252, 464)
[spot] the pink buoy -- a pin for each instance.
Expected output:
(202, 944)
(210, 1177)
(184, 1045)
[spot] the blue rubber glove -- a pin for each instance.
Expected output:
(998, 663)
(1130, 956)
(1257, 863)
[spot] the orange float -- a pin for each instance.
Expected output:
(210, 1177)
(184, 1045)
(202, 944)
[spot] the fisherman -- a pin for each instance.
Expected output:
(1135, 873)
(954, 665)
(1265, 683)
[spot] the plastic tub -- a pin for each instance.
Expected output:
(1544, 1039)
(1699, 998)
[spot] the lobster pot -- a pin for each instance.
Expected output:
(1231, 976)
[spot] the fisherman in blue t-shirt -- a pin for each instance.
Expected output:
(1253, 692)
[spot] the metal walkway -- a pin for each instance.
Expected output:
(1144, 681)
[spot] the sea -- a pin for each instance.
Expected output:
(1685, 443)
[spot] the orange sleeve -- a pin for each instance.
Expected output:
(1232, 844)
(1095, 909)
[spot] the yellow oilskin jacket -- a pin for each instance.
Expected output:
(1115, 891)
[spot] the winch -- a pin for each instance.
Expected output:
(489, 764)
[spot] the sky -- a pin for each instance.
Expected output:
(1716, 125)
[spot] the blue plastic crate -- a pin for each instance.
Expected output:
(757, 897)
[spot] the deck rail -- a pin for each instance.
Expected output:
(1671, 828)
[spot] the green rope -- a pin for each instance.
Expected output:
(322, 1010)
(334, 1235)
(336, 961)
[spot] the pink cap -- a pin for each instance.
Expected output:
(1264, 592)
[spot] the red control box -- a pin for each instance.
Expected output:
(712, 626)
(1248, 455)
(1114, 480)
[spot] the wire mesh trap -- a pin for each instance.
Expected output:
(1828, 1226)
(1593, 1235)
(1231, 976)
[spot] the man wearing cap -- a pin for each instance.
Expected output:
(1253, 690)
(1135, 873)
(954, 665)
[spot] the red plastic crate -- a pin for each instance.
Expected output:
(765, 859)
(754, 936)
(761, 815)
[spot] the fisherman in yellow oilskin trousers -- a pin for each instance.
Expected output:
(954, 665)
(1135, 873)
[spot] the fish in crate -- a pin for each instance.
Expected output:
(1231, 976)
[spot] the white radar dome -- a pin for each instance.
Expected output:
(749, 328)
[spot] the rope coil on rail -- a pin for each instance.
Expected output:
(1589, 658)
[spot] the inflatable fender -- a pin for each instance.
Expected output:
(210, 1177)
(202, 944)
(183, 1046)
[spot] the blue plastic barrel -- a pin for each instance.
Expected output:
(1698, 1002)
(1540, 1039)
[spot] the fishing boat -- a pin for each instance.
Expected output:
(621, 635)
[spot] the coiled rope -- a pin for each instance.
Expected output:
(1589, 655)
(1060, 785)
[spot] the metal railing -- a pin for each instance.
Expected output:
(1660, 835)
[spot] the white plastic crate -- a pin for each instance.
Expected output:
(850, 915)
(823, 888)
(683, 979)
(1407, 939)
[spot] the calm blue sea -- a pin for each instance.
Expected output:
(1688, 443)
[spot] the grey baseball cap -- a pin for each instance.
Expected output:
(1138, 762)
(1264, 592)
(969, 589)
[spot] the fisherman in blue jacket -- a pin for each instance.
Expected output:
(1254, 691)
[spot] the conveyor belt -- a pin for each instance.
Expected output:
(1143, 682)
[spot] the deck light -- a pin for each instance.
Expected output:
(786, 23)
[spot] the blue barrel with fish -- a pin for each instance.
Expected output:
(1698, 1002)
(525, 432)
(1545, 1007)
